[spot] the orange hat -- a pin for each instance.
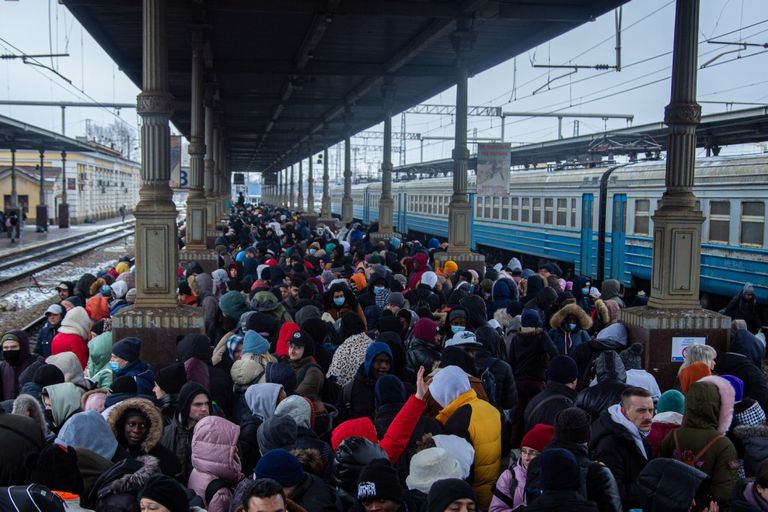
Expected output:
(360, 281)
(691, 374)
(450, 266)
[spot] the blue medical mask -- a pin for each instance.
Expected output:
(585, 291)
(571, 327)
(457, 328)
(114, 366)
(378, 290)
(339, 301)
(312, 251)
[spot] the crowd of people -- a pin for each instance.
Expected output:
(335, 373)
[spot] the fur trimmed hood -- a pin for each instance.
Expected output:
(311, 459)
(557, 320)
(750, 431)
(27, 405)
(134, 482)
(709, 404)
(94, 399)
(147, 408)
(602, 311)
(504, 318)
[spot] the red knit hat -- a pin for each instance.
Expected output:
(538, 437)
(359, 427)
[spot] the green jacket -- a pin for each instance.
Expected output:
(700, 426)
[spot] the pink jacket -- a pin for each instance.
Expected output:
(214, 455)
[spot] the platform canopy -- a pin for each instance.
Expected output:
(15, 134)
(287, 70)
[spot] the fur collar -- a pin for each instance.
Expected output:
(134, 482)
(27, 405)
(585, 322)
(748, 431)
(116, 417)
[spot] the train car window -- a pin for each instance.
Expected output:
(548, 211)
(496, 207)
(642, 218)
(719, 221)
(573, 212)
(487, 213)
(525, 210)
(562, 212)
(505, 208)
(752, 222)
(536, 214)
(514, 213)
(479, 207)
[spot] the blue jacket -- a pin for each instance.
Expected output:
(142, 373)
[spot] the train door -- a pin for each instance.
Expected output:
(472, 199)
(401, 208)
(618, 235)
(587, 231)
(366, 206)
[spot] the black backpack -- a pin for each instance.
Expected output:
(30, 498)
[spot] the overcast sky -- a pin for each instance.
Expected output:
(42, 26)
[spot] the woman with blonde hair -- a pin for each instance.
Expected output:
(699, 354)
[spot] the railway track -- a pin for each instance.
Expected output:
(41, 257)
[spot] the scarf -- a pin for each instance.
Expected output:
(381, 300)
(754, 499)
(618, 417)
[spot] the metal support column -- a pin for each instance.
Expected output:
(63, 206)
(325, 209)
(14, 190)
(300, 184)
(291, 192)
(310, 184)
(42, 210)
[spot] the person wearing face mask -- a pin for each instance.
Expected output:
(581, 288)
(570, 326)
(340, 300)
(125, 362)
(16, 359)
(424, 349)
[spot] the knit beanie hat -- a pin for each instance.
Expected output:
(632, 357)
(233, 305)
(531, 318)
(379, 481)
(425, 330)
(396, 299)
(514, 308)
(444, 492)
(276, 432)
(671, 401)
(56, 468)
(281, 466)
(389, 390)
(167, 492)
(450, 266)
(48, 375)
(737, 384)
(124, 384)
(128, 349)
(562, 369)
(573, 425)
(254, 343)
(171, 378)
(283, 374)
(559, 470)
(691, 374)
(358, 427)
(457, 313)
(538, 437)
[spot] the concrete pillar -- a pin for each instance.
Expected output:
(673, 310)
(156, 318)
(310, 185)
(41, 212)
(677, 223)
(291, 196)
(14, 189)
(325, 209)
(209, 168)
(63, 206)
(300, 184)
(386, 203)
(346, 201)
(459, 227)
(196, 203)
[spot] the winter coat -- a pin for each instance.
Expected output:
(309, 377)
(214, 455)
(142, 373)
(479, 422)
(423, 295)
(562, 501)
(503, 291)
(739, 365)
(703, 422)
(420, 353)
(26, 405)
(614, 445)
(177, 436)
(530, 349)
(44, 339)
(755, 441)
(662, 424)
(611, 378)
(19, 438)
(198, 347)
(348, 357)
(746, 498)
(314, 495)
(504, 490)
(361, 397)
(597, 483)
(73, 335)
(741, 309)
(97, 307)
(544, 407)
(506, 389)
(9, 374)
(99, 355)
(567, 341)
(169, 464)
(207, 301)
(614, 337)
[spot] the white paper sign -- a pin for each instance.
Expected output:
(680, 347)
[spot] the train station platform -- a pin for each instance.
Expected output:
(31, 240)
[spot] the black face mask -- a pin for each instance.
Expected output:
(48, 413)
(12, 356)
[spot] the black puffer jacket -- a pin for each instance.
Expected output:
(351, 457)
(314, 495)
(755, 384)
(613, 445)
(529, 350)
(421, 353)
(553, 399)
(755, 441)
(477, 321)
(611, 382)
(596, 481)
(562, 501)
(358, 402)
(506, 389)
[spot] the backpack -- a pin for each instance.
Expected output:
(688, 457)
(30, 498)
(489, 383)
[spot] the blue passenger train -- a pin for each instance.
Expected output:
(597, 221)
